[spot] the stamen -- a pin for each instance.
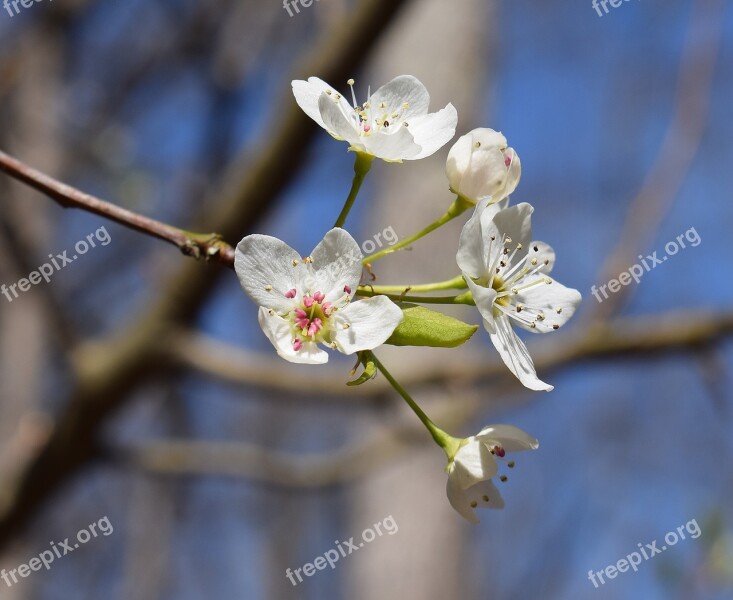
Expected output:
(347, 289)
(350, 83)
(268, 288)
(319, 297)
(291, 293)
(314, 327)
(297, 345)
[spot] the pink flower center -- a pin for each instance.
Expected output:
(310, 318)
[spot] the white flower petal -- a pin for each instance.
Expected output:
(514, 222)
(482, 495)
(370, 323)
(336, 264)
(515, 355)
(433, 131)
(555, 301)
(394, 147)
(459, 500)
(401, 90)
(484, 299)
(280, 333)
(486, 495)
(307, 94)
(473, 463)
(470, 255)
(264, 265)
(336, 121)
(509, 437)
(542, 253)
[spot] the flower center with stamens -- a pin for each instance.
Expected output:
(311, 318)
(369, 118)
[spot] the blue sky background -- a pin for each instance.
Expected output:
(630, 449)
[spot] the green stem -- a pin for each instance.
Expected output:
(457, 283)
(362, 164)
(459, 206)
(465, 298)
(449, 444)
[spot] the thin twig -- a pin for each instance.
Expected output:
(198, 245)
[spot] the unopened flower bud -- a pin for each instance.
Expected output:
(480, 164)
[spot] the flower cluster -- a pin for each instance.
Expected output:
(308, 303)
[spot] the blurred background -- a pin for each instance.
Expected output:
(137, 385)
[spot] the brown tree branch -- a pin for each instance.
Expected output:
(110, 372)
(208, 245)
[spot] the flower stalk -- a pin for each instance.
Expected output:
(465, 298)
(459, 206)
(448, 443)
(362, 164)
(457, 283)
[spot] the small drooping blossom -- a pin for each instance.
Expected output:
(480, 164)
(393, 124)
(469, 473)
(307, 301)
(508, 275)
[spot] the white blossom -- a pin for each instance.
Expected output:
(393, 124)
(469, 473)
(307, 301)
(481, 164)
(508, 275)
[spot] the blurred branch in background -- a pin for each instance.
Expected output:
(679, 147)
(622, 339)
(108, 373)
